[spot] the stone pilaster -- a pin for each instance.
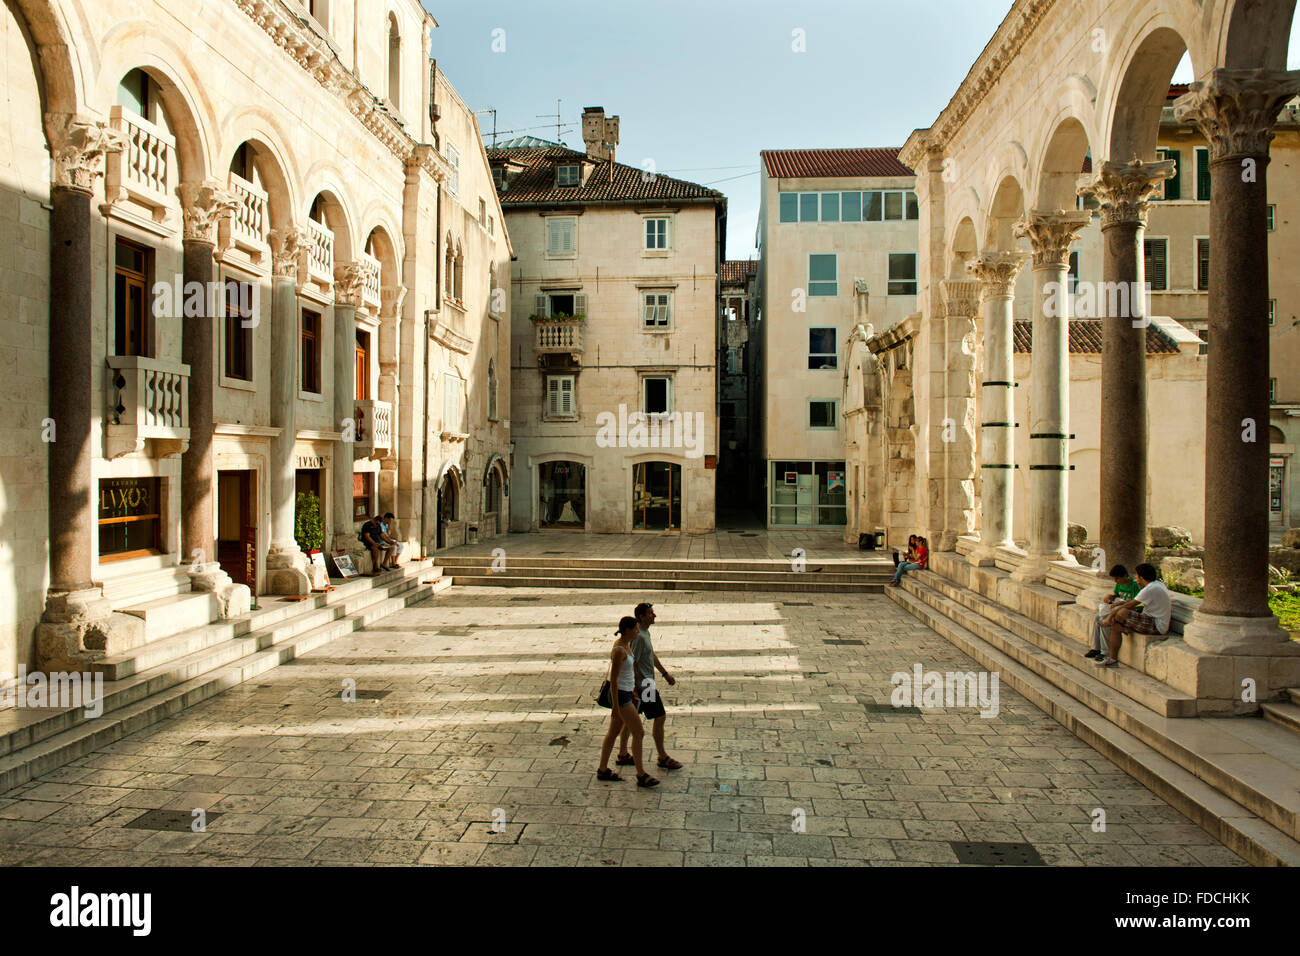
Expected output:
(1235, 110)
(1123, 192)
(997, 274)
(348, 282)
(1050, 235)
(957, 435)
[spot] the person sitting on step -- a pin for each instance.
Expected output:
(1126, 589)
(1157, 610)
(921, 554)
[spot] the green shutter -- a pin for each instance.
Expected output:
(1173, 185)
(1203, 174)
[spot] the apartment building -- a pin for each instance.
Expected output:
(614, 324)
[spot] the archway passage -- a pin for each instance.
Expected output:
(448, 507)
(657, 496)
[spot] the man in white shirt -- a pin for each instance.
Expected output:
(1154, 618)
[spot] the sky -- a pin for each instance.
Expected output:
(701, 86)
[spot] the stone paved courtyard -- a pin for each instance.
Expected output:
(487, 704)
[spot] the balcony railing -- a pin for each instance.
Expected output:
(148, 400)
(320, 252)
(374, 428)
(145, 170)
(248, 226)
(370, 290)
(556, 336)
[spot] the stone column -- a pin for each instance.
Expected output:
(76, 616)
(1049, 235)
(286, 565)
(961, 307)
(348, 282)
(997, 274)
(1124, 193)
(1236, 111)
(205, 204)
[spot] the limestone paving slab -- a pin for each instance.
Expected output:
(483, 749)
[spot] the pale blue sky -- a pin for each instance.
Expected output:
(702, 85)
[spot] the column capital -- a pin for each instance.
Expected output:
(77, 147)
(1050, 234)
(288, 252)
(997, 272)
(961, 297)
(349, 282)
(205, 204)
(1236, 109)
(1124, 190)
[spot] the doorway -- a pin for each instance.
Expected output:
(236, 532)
(657, 496)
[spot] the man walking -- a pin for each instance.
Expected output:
(649, 704)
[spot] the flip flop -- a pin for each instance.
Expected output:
(669, 763)
(625, 760)
(609, 775)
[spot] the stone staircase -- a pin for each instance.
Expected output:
(177, 669)
(1237, 777)
(861, 577)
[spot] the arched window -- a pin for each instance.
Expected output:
(492, 390)
(448, 269)
(458, 274)
(394, 63)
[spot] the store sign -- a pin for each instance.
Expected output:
(710, 461)
(311, 461)
(127, 497)
(1276, 462)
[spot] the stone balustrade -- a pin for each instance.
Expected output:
(374, 428)
(145, 170)
(320, 252)
(250, 223)
(148, 400)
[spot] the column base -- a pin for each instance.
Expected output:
(1221, 634)
(235, 599)
(288, 571)
(79, 627)
(986, 556)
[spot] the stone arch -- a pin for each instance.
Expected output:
(965, 246)
(334, 216)
(267, 174)
(1061, 163)
(259, 127)
(52, 51)
(379, 219)
(1254, 34)
(1007, 207)
(1138, 89)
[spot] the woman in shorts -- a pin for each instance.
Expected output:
(622, 682)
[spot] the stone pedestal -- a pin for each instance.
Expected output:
(79, 627)
(235, 599)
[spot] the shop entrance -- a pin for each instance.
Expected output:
(657, 496)
(236, 530)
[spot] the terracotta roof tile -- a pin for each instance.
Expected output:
(607, 182)
(826, 163)
(1085, 338)
(736, 271)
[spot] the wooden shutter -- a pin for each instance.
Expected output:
(552, 395)
(1202, 174)
(566, 395)
(1173, 185)
(580, 304)
(1202, 264)
(1157, 264)
(541, 305)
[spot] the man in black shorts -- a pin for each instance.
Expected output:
(649, 704)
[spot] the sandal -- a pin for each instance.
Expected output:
(625, 760)
(668, 763)
(645, 780)
(609, 775)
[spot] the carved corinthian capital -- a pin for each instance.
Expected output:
(961, 297)
(997, 272)
(1235, 109)
(289, 252)
(1124, 191)
(349, 281)
(205, 205)
(1050, 235)
(77, 147)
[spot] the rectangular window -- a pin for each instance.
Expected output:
(902, 273)
(913, 210)
(499, 178)
(656, 234)
(453, 403)
(656, 394)
(361, 488)
(808, 203)
(129, 517)
(559, 396)
(873, 209)
(657, 311)
(1272, 217)
(893, 206)
(1202, 265)
(851, 207)
(239, 331)
(482, 213)
(568, 175)
(310, 347)
(821, 348)
(133, 265)
(822, 414)
(453, 160)
(561, 238)
(822, 274)
(830, 207)
(1156, 263)
(1072, 276)
(363, 364)
(789, 207)
(1173, 188)
(1203, 174)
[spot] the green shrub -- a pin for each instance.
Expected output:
(308, 527)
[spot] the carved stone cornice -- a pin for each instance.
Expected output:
(77, 146)
(961, 297)
(289, 252)
(205, 205)
(1050, 235)
(349, 282)
(1235, 110)
(997, 272)
(1124, 191)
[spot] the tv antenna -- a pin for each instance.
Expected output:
(494, 123)
(558, 117)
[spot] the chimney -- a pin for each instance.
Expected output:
(600, 133)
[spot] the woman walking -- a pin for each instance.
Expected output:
(622, 680)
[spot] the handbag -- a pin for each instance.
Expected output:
(602, 696)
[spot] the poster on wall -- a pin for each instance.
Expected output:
(343, 563)
(834, 479)
(792, 477)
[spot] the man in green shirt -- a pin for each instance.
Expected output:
(1126, 589)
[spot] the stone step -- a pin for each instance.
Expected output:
(166, 616)
(144, 586)
(1161, 698)
(1284, 715)
(640, 573)
(1294, 694)
(1251, 762)
(794, 582)
(167, 696)
(1235, 824)
(458, 562)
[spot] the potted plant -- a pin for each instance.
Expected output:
(308, 527)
